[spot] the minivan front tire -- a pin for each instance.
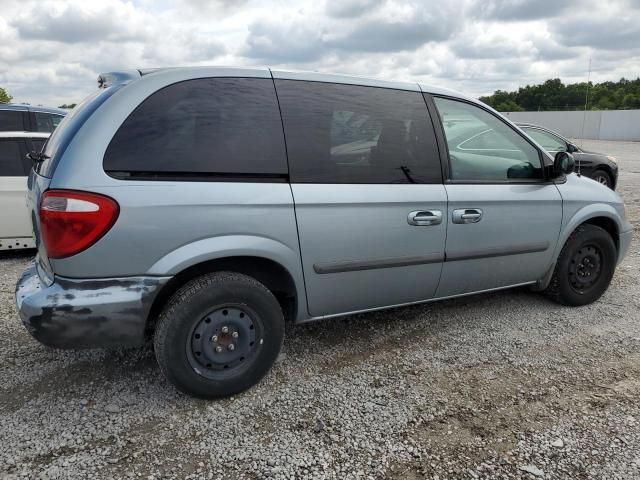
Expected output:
(584, 268)
(219, 335)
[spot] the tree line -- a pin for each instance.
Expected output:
(555, 95)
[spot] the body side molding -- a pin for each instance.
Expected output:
(357, 265)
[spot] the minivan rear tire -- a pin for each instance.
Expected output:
(584, 268)
(202, 321)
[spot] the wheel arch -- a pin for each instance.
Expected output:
(607, 224)
(270, 262)
(601, 215)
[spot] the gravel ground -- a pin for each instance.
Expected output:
(504, 385)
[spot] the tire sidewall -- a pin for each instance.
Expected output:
(183, 316)
(602, 173)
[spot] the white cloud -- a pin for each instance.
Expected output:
(82, 23)
(51, 52)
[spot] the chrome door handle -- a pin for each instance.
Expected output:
(424, 218)
(467, 215)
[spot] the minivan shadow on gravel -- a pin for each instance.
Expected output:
(327, 347)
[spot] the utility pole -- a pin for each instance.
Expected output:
(584, 115)
(586, 100)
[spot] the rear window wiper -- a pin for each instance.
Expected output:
(37, 157)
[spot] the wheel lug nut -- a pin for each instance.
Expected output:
(234, 334)
(218, 349)
(231, 347)
(214, 338)
(224, 329)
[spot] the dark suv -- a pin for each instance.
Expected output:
(27, 118)
(602, 168)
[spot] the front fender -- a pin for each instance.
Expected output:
(571, 221)
(582, 215)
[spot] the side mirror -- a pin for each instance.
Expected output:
(36, 157)
(563, 164)
(571, 148)
(521, 170)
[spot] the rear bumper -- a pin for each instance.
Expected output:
(624, 241)
(86, 313)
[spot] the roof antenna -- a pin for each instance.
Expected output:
(584, 115)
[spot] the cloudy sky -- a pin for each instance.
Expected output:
(52, 51)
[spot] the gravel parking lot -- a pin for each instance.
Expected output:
(504, 385)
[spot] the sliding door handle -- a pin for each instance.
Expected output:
(467, 215)
(424, 218)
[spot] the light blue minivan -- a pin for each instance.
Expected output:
(201, 208)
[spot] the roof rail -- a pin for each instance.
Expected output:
(111, 78)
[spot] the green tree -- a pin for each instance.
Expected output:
(69, 106)
(509, 106)
(555, 95)
(499, 97)
(631, 100)
(604, 103)
(4, 96)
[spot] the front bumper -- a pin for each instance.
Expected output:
(86, 313)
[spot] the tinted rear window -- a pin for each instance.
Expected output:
(11, 121)
(354, 134)
(209, 125)
(11, 164)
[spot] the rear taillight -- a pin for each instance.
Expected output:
(72, 221)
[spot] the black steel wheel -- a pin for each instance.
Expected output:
(223, 340)
(219, 335)
(584, 268)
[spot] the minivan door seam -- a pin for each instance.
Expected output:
(443, 155)
(293, 199)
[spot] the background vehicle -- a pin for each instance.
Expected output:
(602, 168)
(208, 205)
(15, 224)
(27, 118)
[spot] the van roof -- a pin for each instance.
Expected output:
(106, 79)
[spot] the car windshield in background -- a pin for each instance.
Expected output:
(549, 142)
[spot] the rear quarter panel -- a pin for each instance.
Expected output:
(166, 226)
